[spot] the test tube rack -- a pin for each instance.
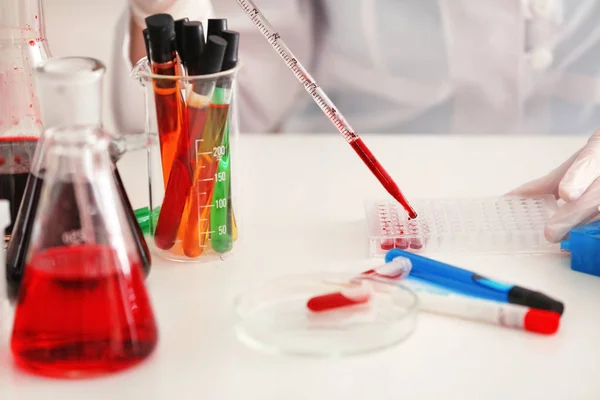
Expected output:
(501, 225)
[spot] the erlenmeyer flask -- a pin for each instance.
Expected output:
(70, 92)
(23, 46)
(83, 307)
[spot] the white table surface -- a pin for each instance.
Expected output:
(302, 211)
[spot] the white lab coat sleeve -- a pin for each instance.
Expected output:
(127, 94)
(267, 89)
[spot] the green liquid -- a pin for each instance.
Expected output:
(220, 213)
(145, 220)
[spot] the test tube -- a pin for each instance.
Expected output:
(192, 147)
(170, 106)
(221, 213)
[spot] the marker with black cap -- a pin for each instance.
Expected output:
(170, 106)
(222, 239)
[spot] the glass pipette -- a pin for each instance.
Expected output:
(325, 103)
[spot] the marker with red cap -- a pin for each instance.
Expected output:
(503, 314)
(443, 302)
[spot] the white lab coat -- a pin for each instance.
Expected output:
(414, 66)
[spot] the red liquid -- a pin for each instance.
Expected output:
(180, 181)
(79, 313)
(18, 246)
(331, 301)
(381, 174)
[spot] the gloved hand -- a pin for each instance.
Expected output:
(576, 183)
(140, 9)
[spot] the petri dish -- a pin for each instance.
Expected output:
(274, 317)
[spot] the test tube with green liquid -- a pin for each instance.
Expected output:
(221, 238)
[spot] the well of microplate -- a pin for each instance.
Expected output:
(502, 225)
(275, 318)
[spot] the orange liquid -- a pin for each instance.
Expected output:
(170, 113)
(197, 221)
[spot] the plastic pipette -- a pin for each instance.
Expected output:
(325, 103)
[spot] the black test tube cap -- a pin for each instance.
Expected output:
(179, 37)
(147, 42)
(193, 45)
(213, 55)
(161, 29)
(216, 26)
(231, 52)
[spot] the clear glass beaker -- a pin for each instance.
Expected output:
(83, 308)
(23, 46)
(70, 92)
(193, 178)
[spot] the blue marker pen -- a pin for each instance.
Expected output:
(471, 284)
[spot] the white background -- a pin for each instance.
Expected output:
(85, 28)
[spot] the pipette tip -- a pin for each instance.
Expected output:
(397, 194)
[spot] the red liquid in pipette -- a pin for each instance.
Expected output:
(78, 313)
(386, 180)
(323, 101)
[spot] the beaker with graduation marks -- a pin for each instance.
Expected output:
(82, 308)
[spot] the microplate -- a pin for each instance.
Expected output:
(499, 225)
(275, 318)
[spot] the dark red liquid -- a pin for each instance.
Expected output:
(80, 312)
(381, 174)
(15, 159)
(18, 246)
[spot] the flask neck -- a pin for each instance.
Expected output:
(70, 91)
(22, 19)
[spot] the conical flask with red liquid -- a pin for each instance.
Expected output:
(23, 47)
(82, 308)
(70, 93)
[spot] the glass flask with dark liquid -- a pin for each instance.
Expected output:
(70, 95)
(82, 309)
(23, 46)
